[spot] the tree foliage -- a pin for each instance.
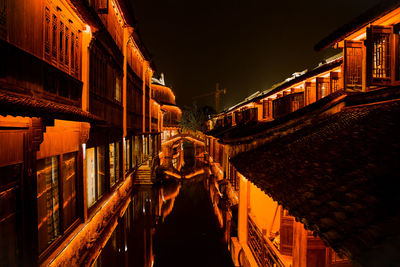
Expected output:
(194, 118)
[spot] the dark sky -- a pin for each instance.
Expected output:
(245, 45)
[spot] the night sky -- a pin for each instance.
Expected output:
(246, 46)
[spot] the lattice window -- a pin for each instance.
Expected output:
(47, 32)
(323, 87)
(61, 42)
(297, 101)
(54, 37)
(379, 55)
(66, 46)
(72, 50)
(77, 54)
(335, 81)
(353, 57)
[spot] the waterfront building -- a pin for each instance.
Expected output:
(312, 160)
(77, 118)
(171, 112)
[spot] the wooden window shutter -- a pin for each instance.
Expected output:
(323, 87)
(286, 233)
(334, 81)
(54, 37)
(380, 55)
(310, 94)
(47, 33)
(353, 58)
(265, 109)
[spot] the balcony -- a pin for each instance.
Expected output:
(23, 73)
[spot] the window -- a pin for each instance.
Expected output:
(54, 37)
(9, 214)
(72, 50)
(47, 201)
(118, 89)
(56, 197)
(310, 92)
(353, 57)
(61, 41)
(114, 157)
(335, 81)
(47, 33)
(379, 54)
(69, 183)
(95, 169)
(128, 155)
(322, 87)
(66, 46)
(267, 109)
(136, 154)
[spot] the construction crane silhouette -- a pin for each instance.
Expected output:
(217, 94)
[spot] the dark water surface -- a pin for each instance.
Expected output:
(190, 235)
(170, 224)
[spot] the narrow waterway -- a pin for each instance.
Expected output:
(171, 223)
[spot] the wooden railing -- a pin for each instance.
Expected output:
(263, 252)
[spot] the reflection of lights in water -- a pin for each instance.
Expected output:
(126, 248)
(144, 209)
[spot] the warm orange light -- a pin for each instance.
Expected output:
(193, 174)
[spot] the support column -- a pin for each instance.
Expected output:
(243, 210)
(299, 245)
(86, 39)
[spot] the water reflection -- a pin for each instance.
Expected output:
(131, 243)
(171, 223)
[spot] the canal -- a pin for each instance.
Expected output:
(170, 223)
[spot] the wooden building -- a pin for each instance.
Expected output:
(171, 112)
(77, 118)
(312, 158)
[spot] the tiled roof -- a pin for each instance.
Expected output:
(339, 177)
(297, 77)
(246, 132)
(18, 105)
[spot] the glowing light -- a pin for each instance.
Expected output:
(87, 29)
(84, 150)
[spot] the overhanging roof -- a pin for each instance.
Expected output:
(330, 63)
(379, 10)
(337, 176)
(19, 105)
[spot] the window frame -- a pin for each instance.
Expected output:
(63, 231)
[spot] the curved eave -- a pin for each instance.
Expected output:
(18, 105)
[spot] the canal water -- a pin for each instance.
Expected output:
(172, 223)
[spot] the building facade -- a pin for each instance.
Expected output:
(289, 155)
(77, 118)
